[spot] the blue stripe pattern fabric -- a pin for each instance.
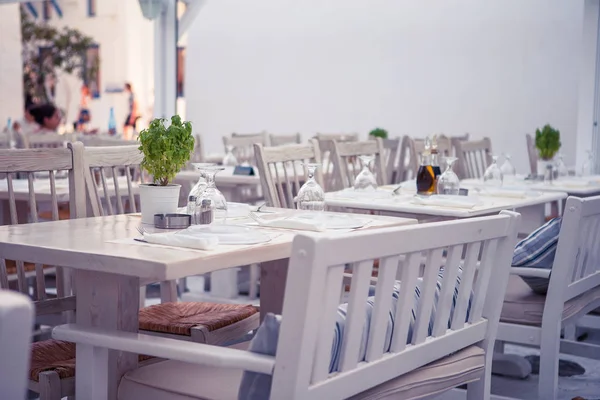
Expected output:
(538, 251)
(255, 386)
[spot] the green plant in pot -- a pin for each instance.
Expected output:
(547, 142)
(166, 150)
(379, 133)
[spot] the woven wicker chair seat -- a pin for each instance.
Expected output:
(180, 318)
(57, 356)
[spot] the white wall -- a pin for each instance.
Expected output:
(11, 76)
(497, 68)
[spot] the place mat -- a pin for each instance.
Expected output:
(461, 202)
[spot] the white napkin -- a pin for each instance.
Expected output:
(512, 193)
(446, 201)
(197, 242)
(363, 194)
(576, 183)
(291, 223)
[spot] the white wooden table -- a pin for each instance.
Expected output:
(532, 209)
(108, 276)
(572, 186)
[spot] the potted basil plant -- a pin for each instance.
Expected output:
(547, 143)
(378, 133)
(166, 150)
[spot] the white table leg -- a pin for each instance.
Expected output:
(272, 286)
(224, 283)
(532, 217)
(105, 301)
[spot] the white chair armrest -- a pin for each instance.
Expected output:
(195, 353)
(530, 272)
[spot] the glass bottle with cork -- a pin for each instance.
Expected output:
(426, 176)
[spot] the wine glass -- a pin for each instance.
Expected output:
(365, 180)
(588, 165)
(311, 196)
(448, 182)
(211, 198)
(561, 168)
(198, 188)
(493, 175)
(229, 160)
(508, 170)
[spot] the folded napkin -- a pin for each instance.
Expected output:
(446, 201)
(198, 242)
(291, 223)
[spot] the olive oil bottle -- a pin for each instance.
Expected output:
(435, 161)
(426, 179)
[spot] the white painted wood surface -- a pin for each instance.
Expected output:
(572, 186)
(243, 145)
(346, 165)
(300, 370)
(473, 157)
(16, 324)
(576, 270)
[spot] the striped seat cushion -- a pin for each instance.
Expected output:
(537, 251)
(257, 386)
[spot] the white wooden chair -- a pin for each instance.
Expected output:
(16, 323)
(532, 153)
(326, 146)
(282, 140)
(346, 164)
(404, 356)
(169, 318)
(409, 157)
(243, 149)
(102, 140)
(574, 290)
(49, 140)
(281, 174)
(50, 307)
(391, 149)
(473, 157)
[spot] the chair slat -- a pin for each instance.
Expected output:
(406, 300)
(288, 184)
(132, 206)
(54, 199)
(320, 369)
(426, 298)
(12, 205)
(107, 197)
(40, 282)
(118, 199)
(466, 283)
(32, 203)
(442, 314)
(483, 276)
(355, 319)
(386, 278)
(3, 274)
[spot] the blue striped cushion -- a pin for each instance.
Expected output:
(256, 386)
(537, 251)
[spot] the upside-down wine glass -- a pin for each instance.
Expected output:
(311, 196)
(198, 188)
(588, 165)
(211, 198)
(229, 160)
(509, 172)
(561, 167)
(493, 175)
(365, 180)
(448, 182)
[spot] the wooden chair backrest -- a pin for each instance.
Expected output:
(532, 153)
(337, 137)
(315, 284)
(104, 163)
(576, 267)
(281, 174)
(21, 205)
(346, 164)
(473, 157)
(45, 141)
(282, 140)
(411, 150)
(16, 323)
(243, 145)
(105, 141)
(391, 149)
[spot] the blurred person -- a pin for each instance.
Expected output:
(130, 122)
(47, 116)
(84, 111)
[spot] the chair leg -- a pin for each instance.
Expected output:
(49, 384)
(549, 356)
(481, 389)
(142, 296)
(570, 331)
(254, 276)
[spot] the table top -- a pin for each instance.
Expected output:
(402, 204)
(223, 178)
(89, 244)
(572, 185)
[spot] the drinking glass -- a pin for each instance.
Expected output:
(229, 160)
(198, 188)
(587, 168)
(365, 180)
(211, 197)
(508, 170)
(493, 175)
(561, 168)
(448, 182)
(311, 196)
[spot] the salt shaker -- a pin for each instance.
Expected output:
(203, 214)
